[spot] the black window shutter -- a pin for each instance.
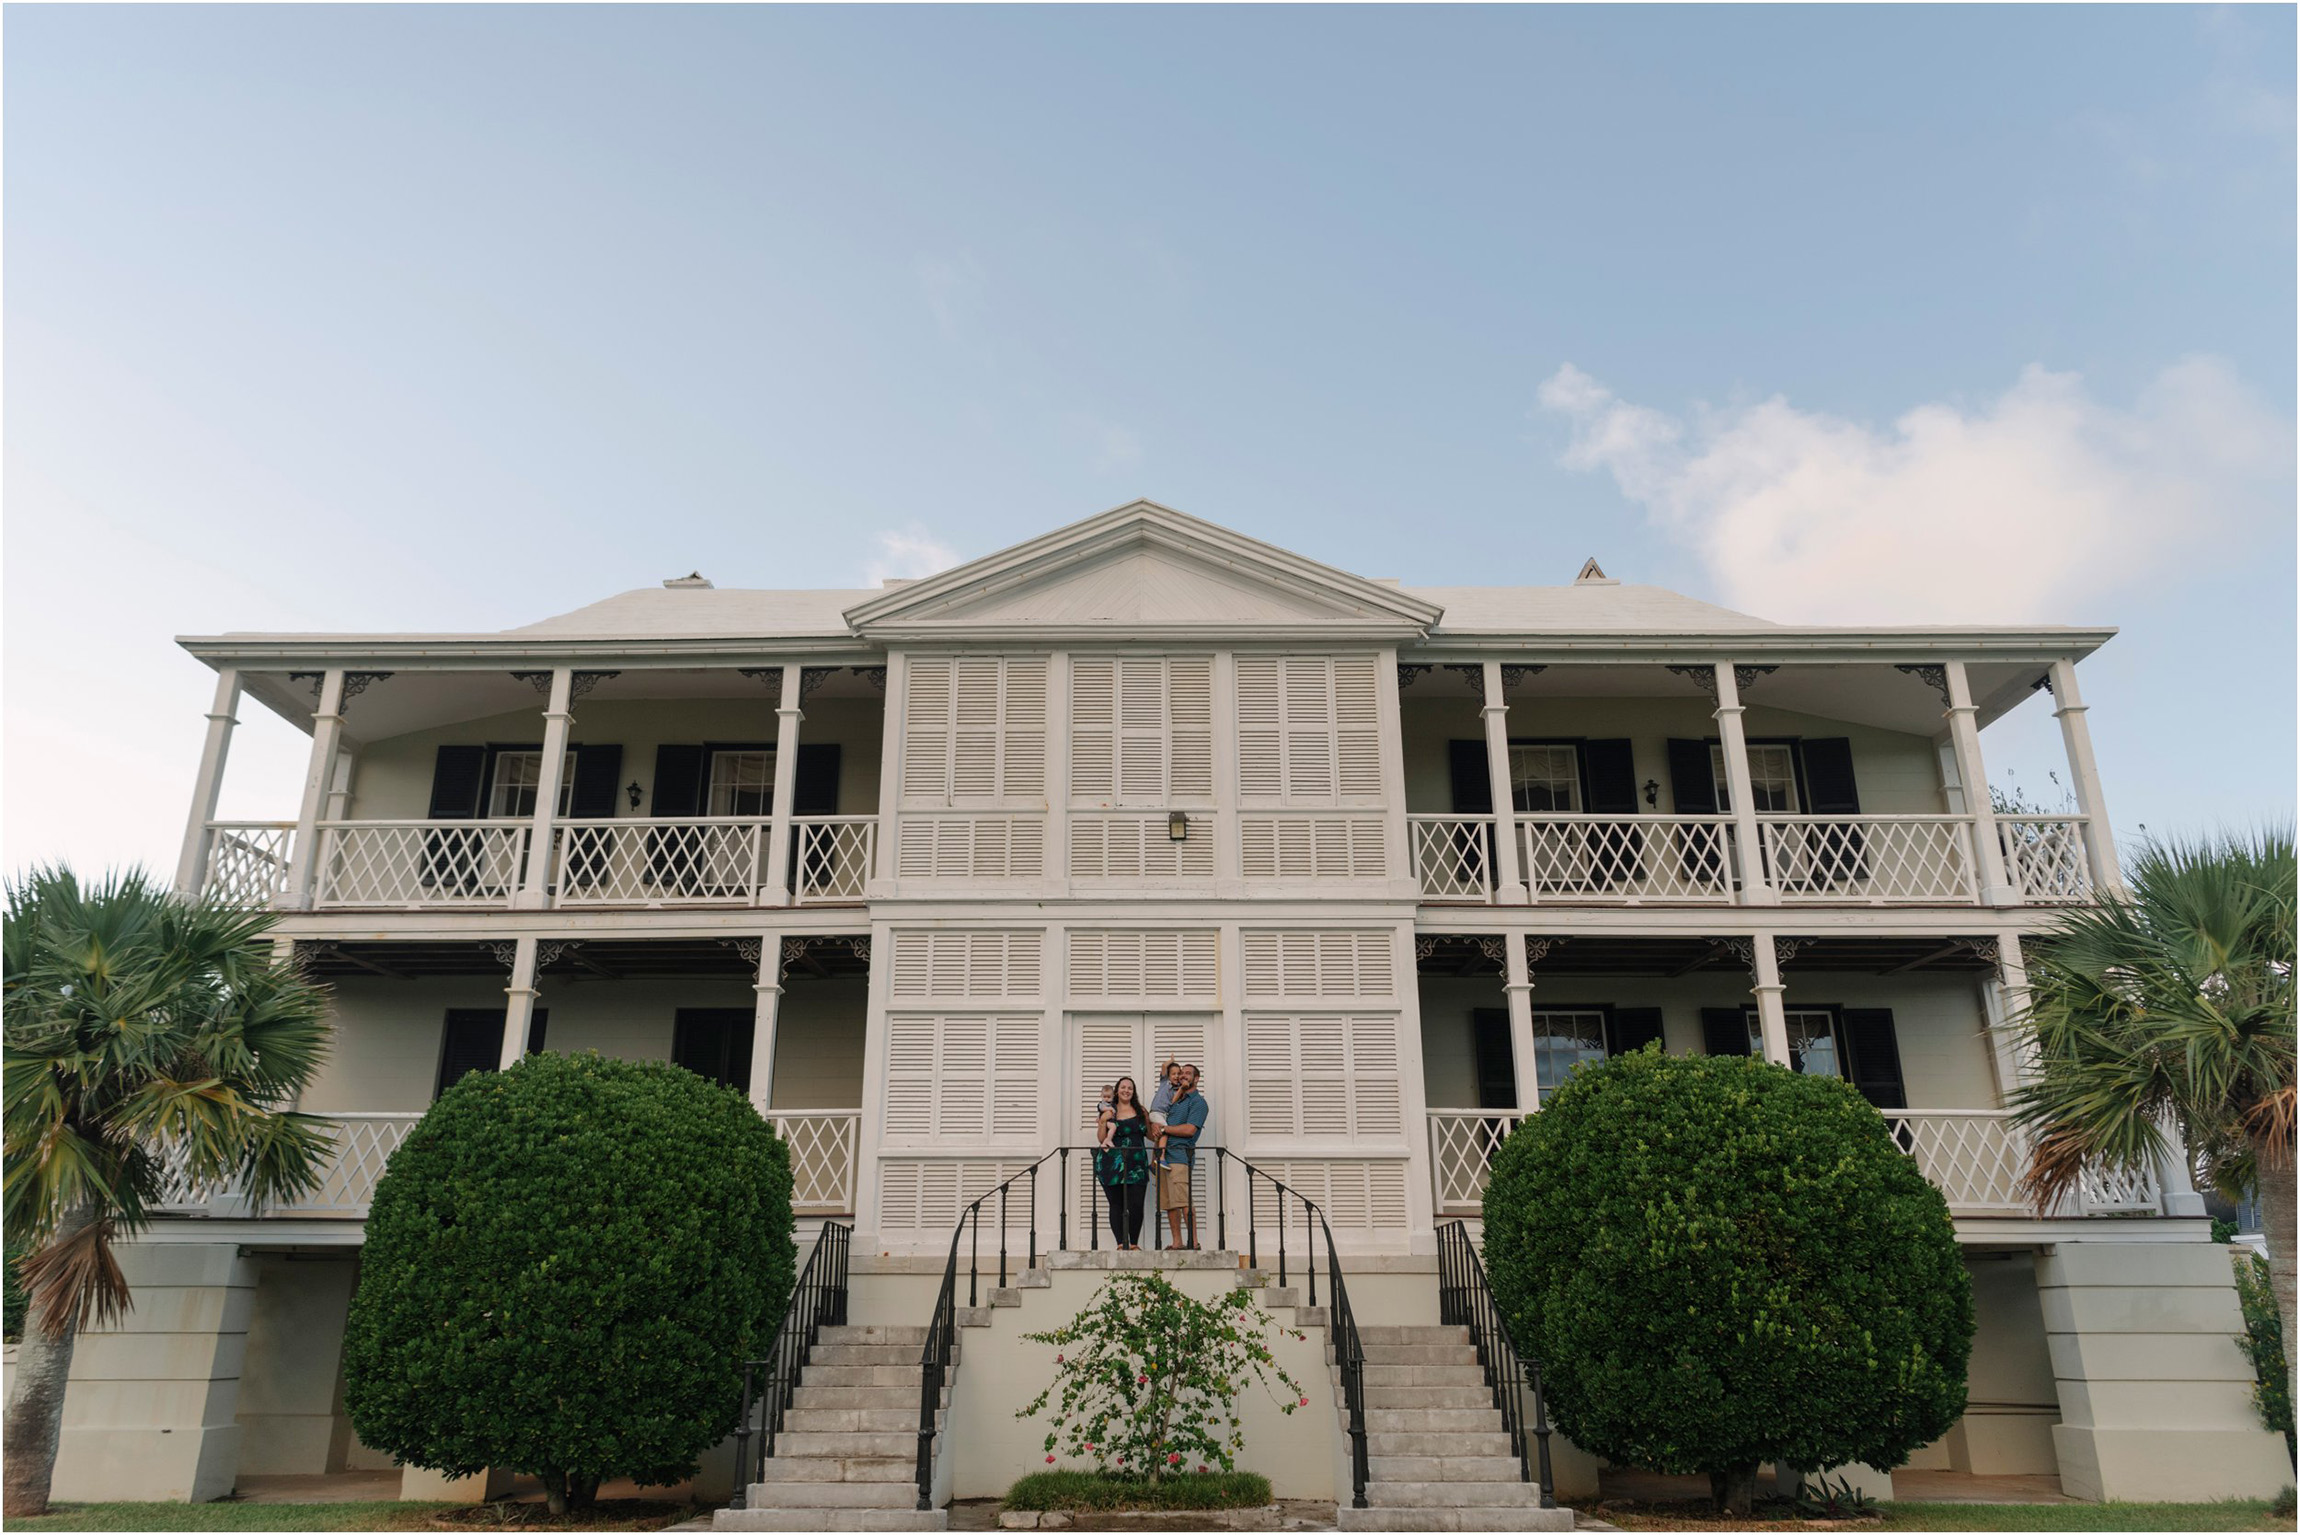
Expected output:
(538, 1029)
(471, 1041)
(456, 778)
(1472, 784)
(1496, 1066)
(678, 781)
(714, 1043)
(1632, 1028)
(1610, 773)
(1829, 776)
(1874, 1056)
(1724, 1031)
(816, 791)
(593, 795)
(1692, 782)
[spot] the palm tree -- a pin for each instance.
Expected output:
(2173, 1008)
(153, 1047)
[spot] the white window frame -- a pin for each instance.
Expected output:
(530, 764)
(1775, 780)
(1804, 1025)
(1551, 1064)
(1553, 756)
(735, 758)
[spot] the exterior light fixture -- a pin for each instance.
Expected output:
(1177, 826)
(1652, 792)
(631, 792)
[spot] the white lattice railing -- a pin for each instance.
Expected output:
(833, 856)
(363, 1143)
(2045, 858)
(1453, 856)
(247, 861)
(1462, 1144)
(420, 863)
(1627, 858)
(1975, 1157)
(823, 1159)
(1821, 858)
(692, 861)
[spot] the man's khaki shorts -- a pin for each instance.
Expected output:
(1174, 1188)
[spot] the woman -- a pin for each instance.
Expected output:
(1122, 1164)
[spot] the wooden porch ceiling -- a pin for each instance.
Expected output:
(591, 959)
(1452, 955)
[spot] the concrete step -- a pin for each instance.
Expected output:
(1511, 1518)
(973, 1316)
(884, 1375)
(810, 1397)
(1430, 1442)
(848, 1444)
(913, 1337)
(1008, 1297)
(784, 1468)
(1271, 1296)
(1395, 1398)
(1425, 1494)
(1413, 1353)
(781, 1494)
(787, 1518)
(852, 1420)
(1485, 1418)
(865, 1353)
(1370, 1336)
(1459, 1467)
(1378, 1375)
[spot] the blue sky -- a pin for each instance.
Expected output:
(442, 317)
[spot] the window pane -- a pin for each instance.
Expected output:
(1812, 1042)
(742, 783)
(516, 776)
(1562, 1041)
(1545, 778)
(1772, 779)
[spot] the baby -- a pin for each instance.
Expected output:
(1106, 1116)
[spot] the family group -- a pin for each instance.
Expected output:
(1135, 1142)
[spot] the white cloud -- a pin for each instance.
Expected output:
(907, 551)
(1109, 446)
(2029, 507)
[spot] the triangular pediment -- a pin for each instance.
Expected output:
(1146, 570)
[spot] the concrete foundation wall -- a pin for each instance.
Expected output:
(2011, 1403)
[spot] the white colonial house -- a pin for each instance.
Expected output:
(922, 868)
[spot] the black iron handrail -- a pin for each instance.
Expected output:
(1465, 1299)
(1349, 1351)
(818, 1300)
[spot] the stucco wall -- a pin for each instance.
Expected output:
(394, 778)
(1937, 1021)
(1896, 774)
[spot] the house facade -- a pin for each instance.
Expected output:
(921, 869)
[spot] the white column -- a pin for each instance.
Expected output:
(769, 986)
(1397, 830)
(339, 788)
(2005, 1001)
(1772, 1018)
(789, 710)
(1517, 990)
(1508, 883)
(535, 893)
(192, 866)
(890, 776)
(519, 1006)
(2084, 778)
(326, 735)
(1965, 741)
(2174, 1176)
(1750, 853)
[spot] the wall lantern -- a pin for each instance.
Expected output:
(1177, 826)
(631, 792)
(1652, 792)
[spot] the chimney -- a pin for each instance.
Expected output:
(693, 578)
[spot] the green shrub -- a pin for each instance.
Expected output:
(1089, 1492)
(565, 1264)
(1719, 1262)
(2263, 1344)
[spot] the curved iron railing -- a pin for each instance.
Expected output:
(818, 1300)
(1349, 1351)
(1465, 1299)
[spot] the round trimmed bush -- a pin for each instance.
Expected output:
(1719, 1262)
(565, 1264)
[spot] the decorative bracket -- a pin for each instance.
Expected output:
(1511, 676)
(1705, 677)
(1411, 672)
(354, 684)
(1934, 677)
(547, 951)
(1745, 950)
(874, 675)
(1537, 949)
(812, 677)
(748, 948)
(1471, 672)
(577, 685)
(768, 677)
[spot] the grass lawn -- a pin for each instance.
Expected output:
(2234, 1514)
(614, 1514)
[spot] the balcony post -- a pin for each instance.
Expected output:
(1509, 888)
(2084, 778)
(326, 736)
(192, 866)
(1756, 890)
(339, 786)
(1517, 989)
(519, 1004)
(769, 987)
(535, 889)
(1965, 741)
(2176, 1183)
(1772, 1016)
(2005, 1001)
(776, 881)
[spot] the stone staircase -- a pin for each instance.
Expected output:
(1437, 1454)
(847, 1455)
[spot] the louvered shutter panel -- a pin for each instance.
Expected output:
(1472, 777)
(1022, 735)
(1309, 728)
(456, 776)
(1724, 1031)
(1190, 721)
(1093, 728)
(1309, 703)
(1357, 727)
(1261, 729)
(1692, 781)
(1376, 1099)
(1336, 964)
(926, 729)
(1609, 773)
(1875, 1056)
(471, 1040)
(592, 797)
(815, 790)
(1107, 1050)
(975, 721)
(1272, 1090)
(1632, 1028)
(1829, 788)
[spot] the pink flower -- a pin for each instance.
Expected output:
(1305, 1401)
(1174, 1458)
(1202, 1468)
(1143, 1380)
(1050, 1460)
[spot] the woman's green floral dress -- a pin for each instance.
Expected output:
(1126, 1160)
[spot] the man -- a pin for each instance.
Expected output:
(1185, 1122)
